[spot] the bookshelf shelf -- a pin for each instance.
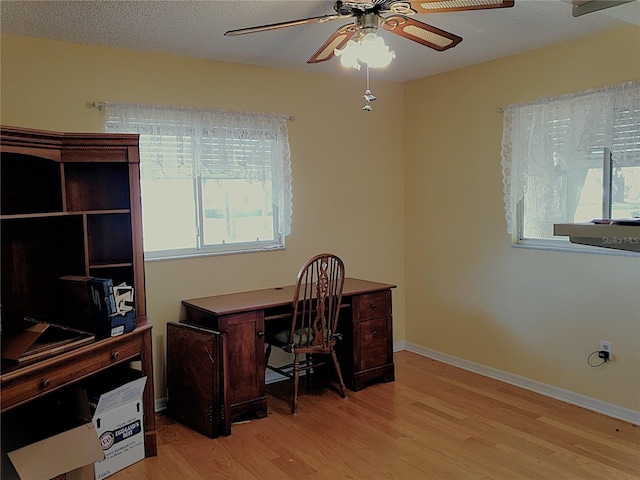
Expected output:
(111, 265)
(61, 214)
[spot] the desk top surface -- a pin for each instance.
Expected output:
(272, 297)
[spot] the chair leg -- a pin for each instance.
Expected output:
(267, 355)
(343, 388)
(296, 380)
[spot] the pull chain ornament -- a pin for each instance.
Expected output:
(368, 96)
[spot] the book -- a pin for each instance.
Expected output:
(76, 307)
(103, 302)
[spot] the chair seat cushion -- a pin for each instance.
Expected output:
(282, 337)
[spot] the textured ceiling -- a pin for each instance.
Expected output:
(196, 29)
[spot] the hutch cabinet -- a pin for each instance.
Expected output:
(70, 205)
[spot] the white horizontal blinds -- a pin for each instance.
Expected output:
(625, 143)
(237, 153)
(544, 140)
(182, 142)
(167, 147)
(165, 156)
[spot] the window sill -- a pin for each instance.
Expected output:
(183, 255)
(566, 246)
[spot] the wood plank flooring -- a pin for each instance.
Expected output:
(434, 422)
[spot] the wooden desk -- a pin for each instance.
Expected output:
(365, 353)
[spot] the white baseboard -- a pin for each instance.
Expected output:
(567, 396)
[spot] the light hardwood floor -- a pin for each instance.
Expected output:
(434, 422)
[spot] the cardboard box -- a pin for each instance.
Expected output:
(51, 438)
(119, 424)
(72, 453)
(58, 436)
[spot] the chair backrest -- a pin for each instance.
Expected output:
(316, 303)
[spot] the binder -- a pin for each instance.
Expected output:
(103, 302)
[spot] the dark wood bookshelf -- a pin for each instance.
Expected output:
(70, 205)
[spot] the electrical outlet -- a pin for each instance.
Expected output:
(605, 346)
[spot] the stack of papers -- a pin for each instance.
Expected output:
(123, 294)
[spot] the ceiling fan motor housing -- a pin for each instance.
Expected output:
(360, 7)
(367, 22)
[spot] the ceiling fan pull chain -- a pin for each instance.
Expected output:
(368, 96)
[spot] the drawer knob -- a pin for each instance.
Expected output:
(373, 305)
(374, 332)
(260, 334)
(45, 383)
(115, 355)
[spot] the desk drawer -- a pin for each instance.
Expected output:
(372, 305)
(41, 378)
(375, 343)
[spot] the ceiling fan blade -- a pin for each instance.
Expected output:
(433, 6)
(338, 39)
(292, 23)
(582, 7)
(421, 33)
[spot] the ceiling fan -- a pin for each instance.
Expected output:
(368, 17)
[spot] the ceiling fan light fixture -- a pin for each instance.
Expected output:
(369, 49)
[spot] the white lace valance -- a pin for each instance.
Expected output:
(180, 142)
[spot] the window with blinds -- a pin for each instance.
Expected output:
(211, 183)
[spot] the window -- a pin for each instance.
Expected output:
(553, 153)
(211, 181)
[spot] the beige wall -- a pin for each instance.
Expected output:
(533, 313)
(427, 210)
(347, 164)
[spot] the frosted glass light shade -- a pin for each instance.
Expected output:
(370, 49)
(349, 55)
(374, 52)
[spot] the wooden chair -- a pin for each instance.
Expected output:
(313, 333)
